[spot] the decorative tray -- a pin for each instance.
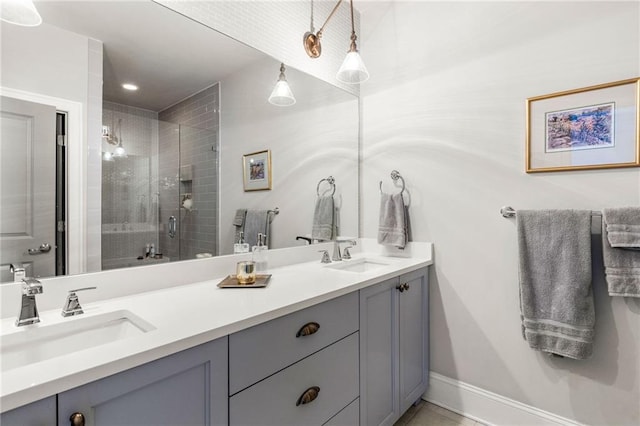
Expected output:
(262, 280)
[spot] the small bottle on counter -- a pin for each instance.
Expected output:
(260, 253)
(241, 246)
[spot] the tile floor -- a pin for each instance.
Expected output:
(428, 414)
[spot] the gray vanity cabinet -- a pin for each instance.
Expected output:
(39, 413)
(186, 388)
(300, 369)
(394, 347)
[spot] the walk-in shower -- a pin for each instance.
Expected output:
(159, 201)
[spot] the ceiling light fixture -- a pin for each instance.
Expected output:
(129, 86)
(282, 94)
(20, 12)
(353, 70)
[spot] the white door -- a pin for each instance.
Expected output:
(27, 187)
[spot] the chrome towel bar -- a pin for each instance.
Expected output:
(509, 212)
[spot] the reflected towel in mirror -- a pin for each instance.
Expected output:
(256, 221)
(324, 216)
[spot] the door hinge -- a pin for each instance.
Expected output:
(61, 226)
(62, 140)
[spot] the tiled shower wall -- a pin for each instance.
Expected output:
(193, 170)
(129, 220)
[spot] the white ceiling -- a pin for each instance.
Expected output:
(169, 56)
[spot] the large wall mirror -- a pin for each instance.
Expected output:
(171, 157)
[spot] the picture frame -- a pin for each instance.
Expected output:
(256, 170)
(595, 127)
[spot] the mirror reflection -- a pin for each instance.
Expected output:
(171, 152)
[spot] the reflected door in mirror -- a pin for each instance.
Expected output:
(27, 204)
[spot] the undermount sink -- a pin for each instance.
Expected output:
(24, 346)
(357, 265)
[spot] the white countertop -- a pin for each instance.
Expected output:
(188, 315)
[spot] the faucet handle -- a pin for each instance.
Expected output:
(346, 254)
(31, 286)
(72, 304)
(325, 256)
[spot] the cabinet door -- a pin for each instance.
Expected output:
(414, 338)
(379, 380)
(39, 413)
(187, 388)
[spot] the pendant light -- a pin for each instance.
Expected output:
(119, 152)
(282, 94)
(20, 12)
(352, 70)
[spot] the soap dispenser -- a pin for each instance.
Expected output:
(260, 253)
(241, 246)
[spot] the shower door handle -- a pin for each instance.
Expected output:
(173, 226)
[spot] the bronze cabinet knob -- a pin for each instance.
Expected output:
(77, 419)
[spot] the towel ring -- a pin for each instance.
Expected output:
(331, 181)
(395, 175)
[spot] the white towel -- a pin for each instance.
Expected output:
(392, 228)
(621, 250)
(324, 219)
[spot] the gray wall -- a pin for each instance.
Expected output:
(449, 114)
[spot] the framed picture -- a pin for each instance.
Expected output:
(256, 169)
(594, 127)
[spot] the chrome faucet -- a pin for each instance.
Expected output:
(72, 304)
(18, 272)
(325, 256)
(336, 249)
(28, 308)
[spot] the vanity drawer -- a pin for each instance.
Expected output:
(349, 416)
(334, 370)
(262, 350)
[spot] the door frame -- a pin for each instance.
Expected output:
(76, 172)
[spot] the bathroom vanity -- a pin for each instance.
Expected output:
(338, 344)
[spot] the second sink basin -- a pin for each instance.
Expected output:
(24, 346)
(357, 265)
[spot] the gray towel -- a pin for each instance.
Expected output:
(324, 216)
(621, 251)
(257, 221)
(556, 296)
(238, 219)
(392, 227)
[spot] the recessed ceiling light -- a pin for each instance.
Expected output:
(130, 86)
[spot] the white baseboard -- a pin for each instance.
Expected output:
(487, 407)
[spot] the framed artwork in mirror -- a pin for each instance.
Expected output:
(595, 127)
(256, 169)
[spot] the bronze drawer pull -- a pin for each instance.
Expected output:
(402, 287)
(308, 395)
(308, 329)
(77, 419)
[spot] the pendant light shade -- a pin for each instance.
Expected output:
(282, 94)
(353, 70)
(119, 152)
(20, 12)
